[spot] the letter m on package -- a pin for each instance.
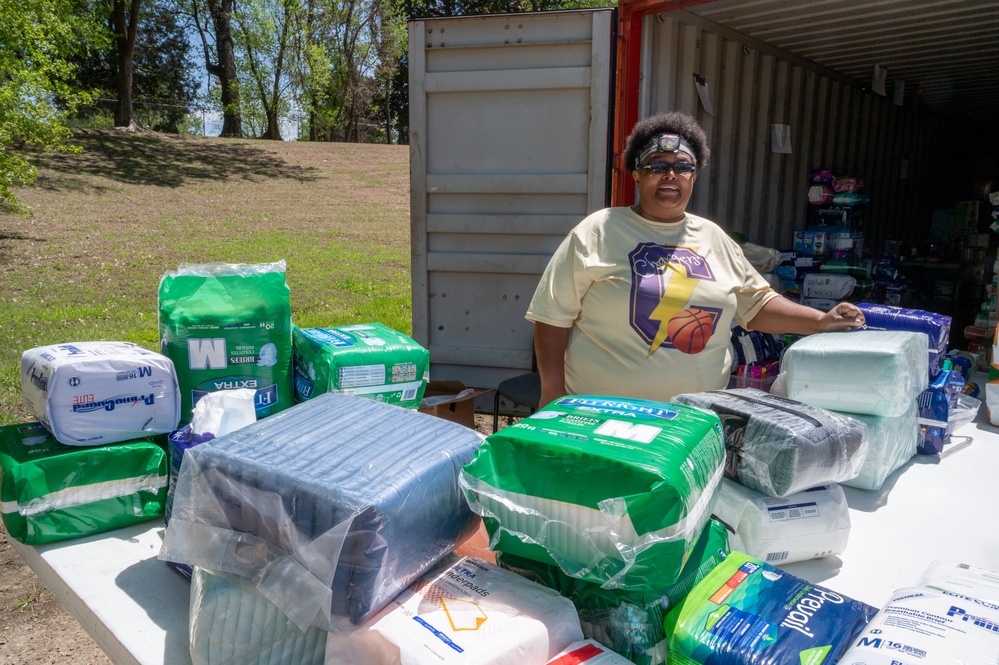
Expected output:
(206, 353)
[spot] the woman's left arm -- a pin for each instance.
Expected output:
(781, 315)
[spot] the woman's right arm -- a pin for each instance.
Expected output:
(549, 348)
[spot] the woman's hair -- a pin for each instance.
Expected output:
(674, 122)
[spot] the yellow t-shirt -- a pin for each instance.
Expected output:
(649, 305)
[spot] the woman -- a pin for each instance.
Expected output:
(638, 301)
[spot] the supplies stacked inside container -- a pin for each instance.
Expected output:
(90, 464)
(826, 264)
(607, 500)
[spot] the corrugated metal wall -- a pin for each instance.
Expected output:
(763, 194)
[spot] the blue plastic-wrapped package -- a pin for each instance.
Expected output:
(331, 507)
(935, 326)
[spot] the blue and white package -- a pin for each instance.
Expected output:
(747, 612)
(935, 406)
(95, 393)
(936, 326)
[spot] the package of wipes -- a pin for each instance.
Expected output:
(93, 393)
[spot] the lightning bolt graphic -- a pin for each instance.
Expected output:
(678, 290)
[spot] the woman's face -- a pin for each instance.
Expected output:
(662, 197)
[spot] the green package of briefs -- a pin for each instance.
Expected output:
(50, 491)
(227, 326)
(370, 360)
(612, 491)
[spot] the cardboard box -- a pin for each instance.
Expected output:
(451, 400)
(810, 242)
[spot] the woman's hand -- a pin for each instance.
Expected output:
(844, 316)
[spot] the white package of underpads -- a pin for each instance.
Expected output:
(798, 527)
(588, 652)
(873, 372)
(892, 442)
(921, 625)
(471, 613)
(94, 393)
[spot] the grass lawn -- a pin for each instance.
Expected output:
(109, 222)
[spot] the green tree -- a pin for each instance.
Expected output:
(38, 40)
(215, 32)
(265, 38)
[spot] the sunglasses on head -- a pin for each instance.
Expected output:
(662, 168)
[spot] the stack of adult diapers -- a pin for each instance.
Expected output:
(89, 465)
(784, 459)
(330, 508)
(873, 375)
(609, 498)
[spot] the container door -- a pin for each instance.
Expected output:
(509, 129)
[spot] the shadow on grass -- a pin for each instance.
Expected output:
(145, 158)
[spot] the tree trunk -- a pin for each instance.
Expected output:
(225, 69)
(125, 29)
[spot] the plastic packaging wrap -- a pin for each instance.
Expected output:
(330, 508)
(960, 578)
(629, 622)
(50, 491)
(892, 441)
(874, 372)
(226, 326)
(764, 259)
(749, 612)
(370, 360)
(231, 623)
(935, 326)
(613, 491)
(778, 446)
(95, 393)
(805, 525)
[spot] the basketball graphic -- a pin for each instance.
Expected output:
(690, 329)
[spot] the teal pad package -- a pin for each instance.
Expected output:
(227, 326)
(50, 491)
(369, 360)
(612, 491)
(747, 612)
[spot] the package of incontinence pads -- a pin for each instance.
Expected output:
(778, 446)
(805, 525)
(950, 618)
(747, 612)
(93, 393)
(612, 491)
(50, 491)
(588, 652)
(891, 442)
(874, 372)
